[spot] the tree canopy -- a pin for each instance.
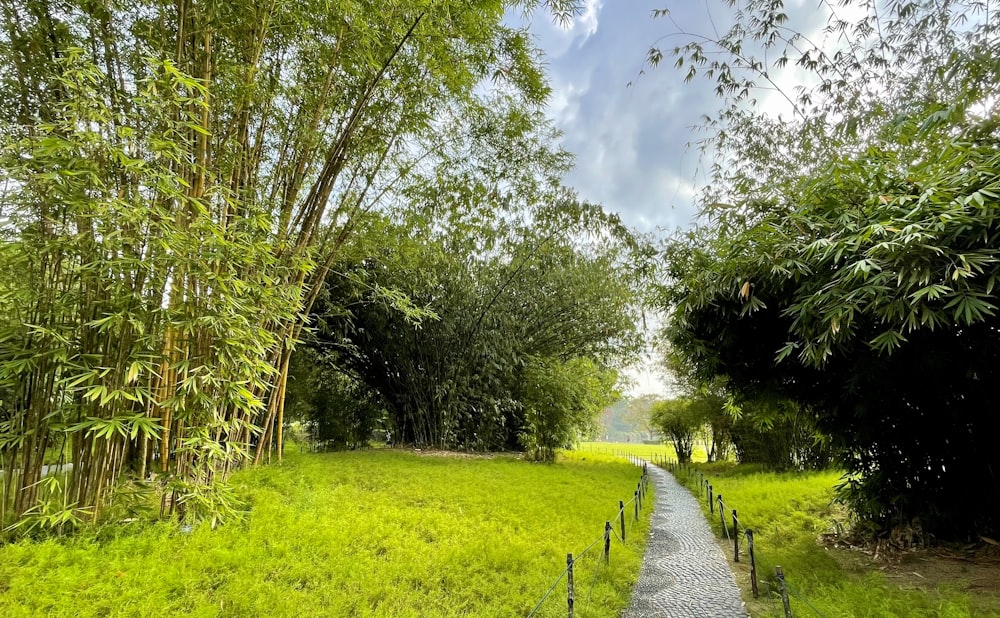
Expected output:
(515, 347)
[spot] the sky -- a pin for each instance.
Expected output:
(631, 126)
(630, 141)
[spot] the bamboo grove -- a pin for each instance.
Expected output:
(178, 177)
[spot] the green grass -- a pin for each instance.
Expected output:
(640, 450)
(375, 533)
(788, 512)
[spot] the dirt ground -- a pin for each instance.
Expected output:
(975, 569)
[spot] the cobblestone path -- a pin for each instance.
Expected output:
(684, 573)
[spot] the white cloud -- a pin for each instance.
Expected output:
(587, 21)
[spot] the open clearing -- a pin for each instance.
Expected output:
(372, 533)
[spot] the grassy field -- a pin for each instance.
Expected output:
(375, 533)
(640, 450)
(790, 511)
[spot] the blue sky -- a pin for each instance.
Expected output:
(630, 125)
(630, 141)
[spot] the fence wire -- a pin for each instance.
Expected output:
(619, 513)
(760, 560)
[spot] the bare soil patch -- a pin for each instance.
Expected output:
(974, 569)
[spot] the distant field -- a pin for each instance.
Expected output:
(374, 533)
(640, 450)
(790, 511)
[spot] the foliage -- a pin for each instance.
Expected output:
(336, 411)
(851, 260)
(561, 401)
(364, 533)
(780, 434)
(759, 428)
(511, 335)
(138, 337)
(178, 179)
(628, 419)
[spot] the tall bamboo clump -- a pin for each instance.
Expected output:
(176, 179)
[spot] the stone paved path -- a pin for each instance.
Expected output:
(684, 573)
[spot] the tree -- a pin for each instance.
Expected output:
(851, 260)
(637, 415)
(336, 411)
(710, 403)
(561, 400)
(515, 344)
(678, 420)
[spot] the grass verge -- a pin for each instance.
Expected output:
(789, 512)
(375, 533)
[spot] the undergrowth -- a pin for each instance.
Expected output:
(376, 533)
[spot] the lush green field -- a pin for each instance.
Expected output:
(790, 511)
(641, 450)
(375, 533)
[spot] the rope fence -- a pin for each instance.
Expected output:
(633, 507)
(742, 537)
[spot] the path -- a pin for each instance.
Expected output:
(47, 469)
(684, 573)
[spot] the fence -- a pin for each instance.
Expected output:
(613, 527)
(738, 533)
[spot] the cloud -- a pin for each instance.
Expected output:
(557, 38)
(630, 126)
(630, 140)
(587, 19)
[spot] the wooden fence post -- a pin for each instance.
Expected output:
(722, 515)
(635, 503)
(753, 563)
(621, 514)
(569, 583)
(736, 538)
(607, 542)
(711, 503)
(780, 573)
